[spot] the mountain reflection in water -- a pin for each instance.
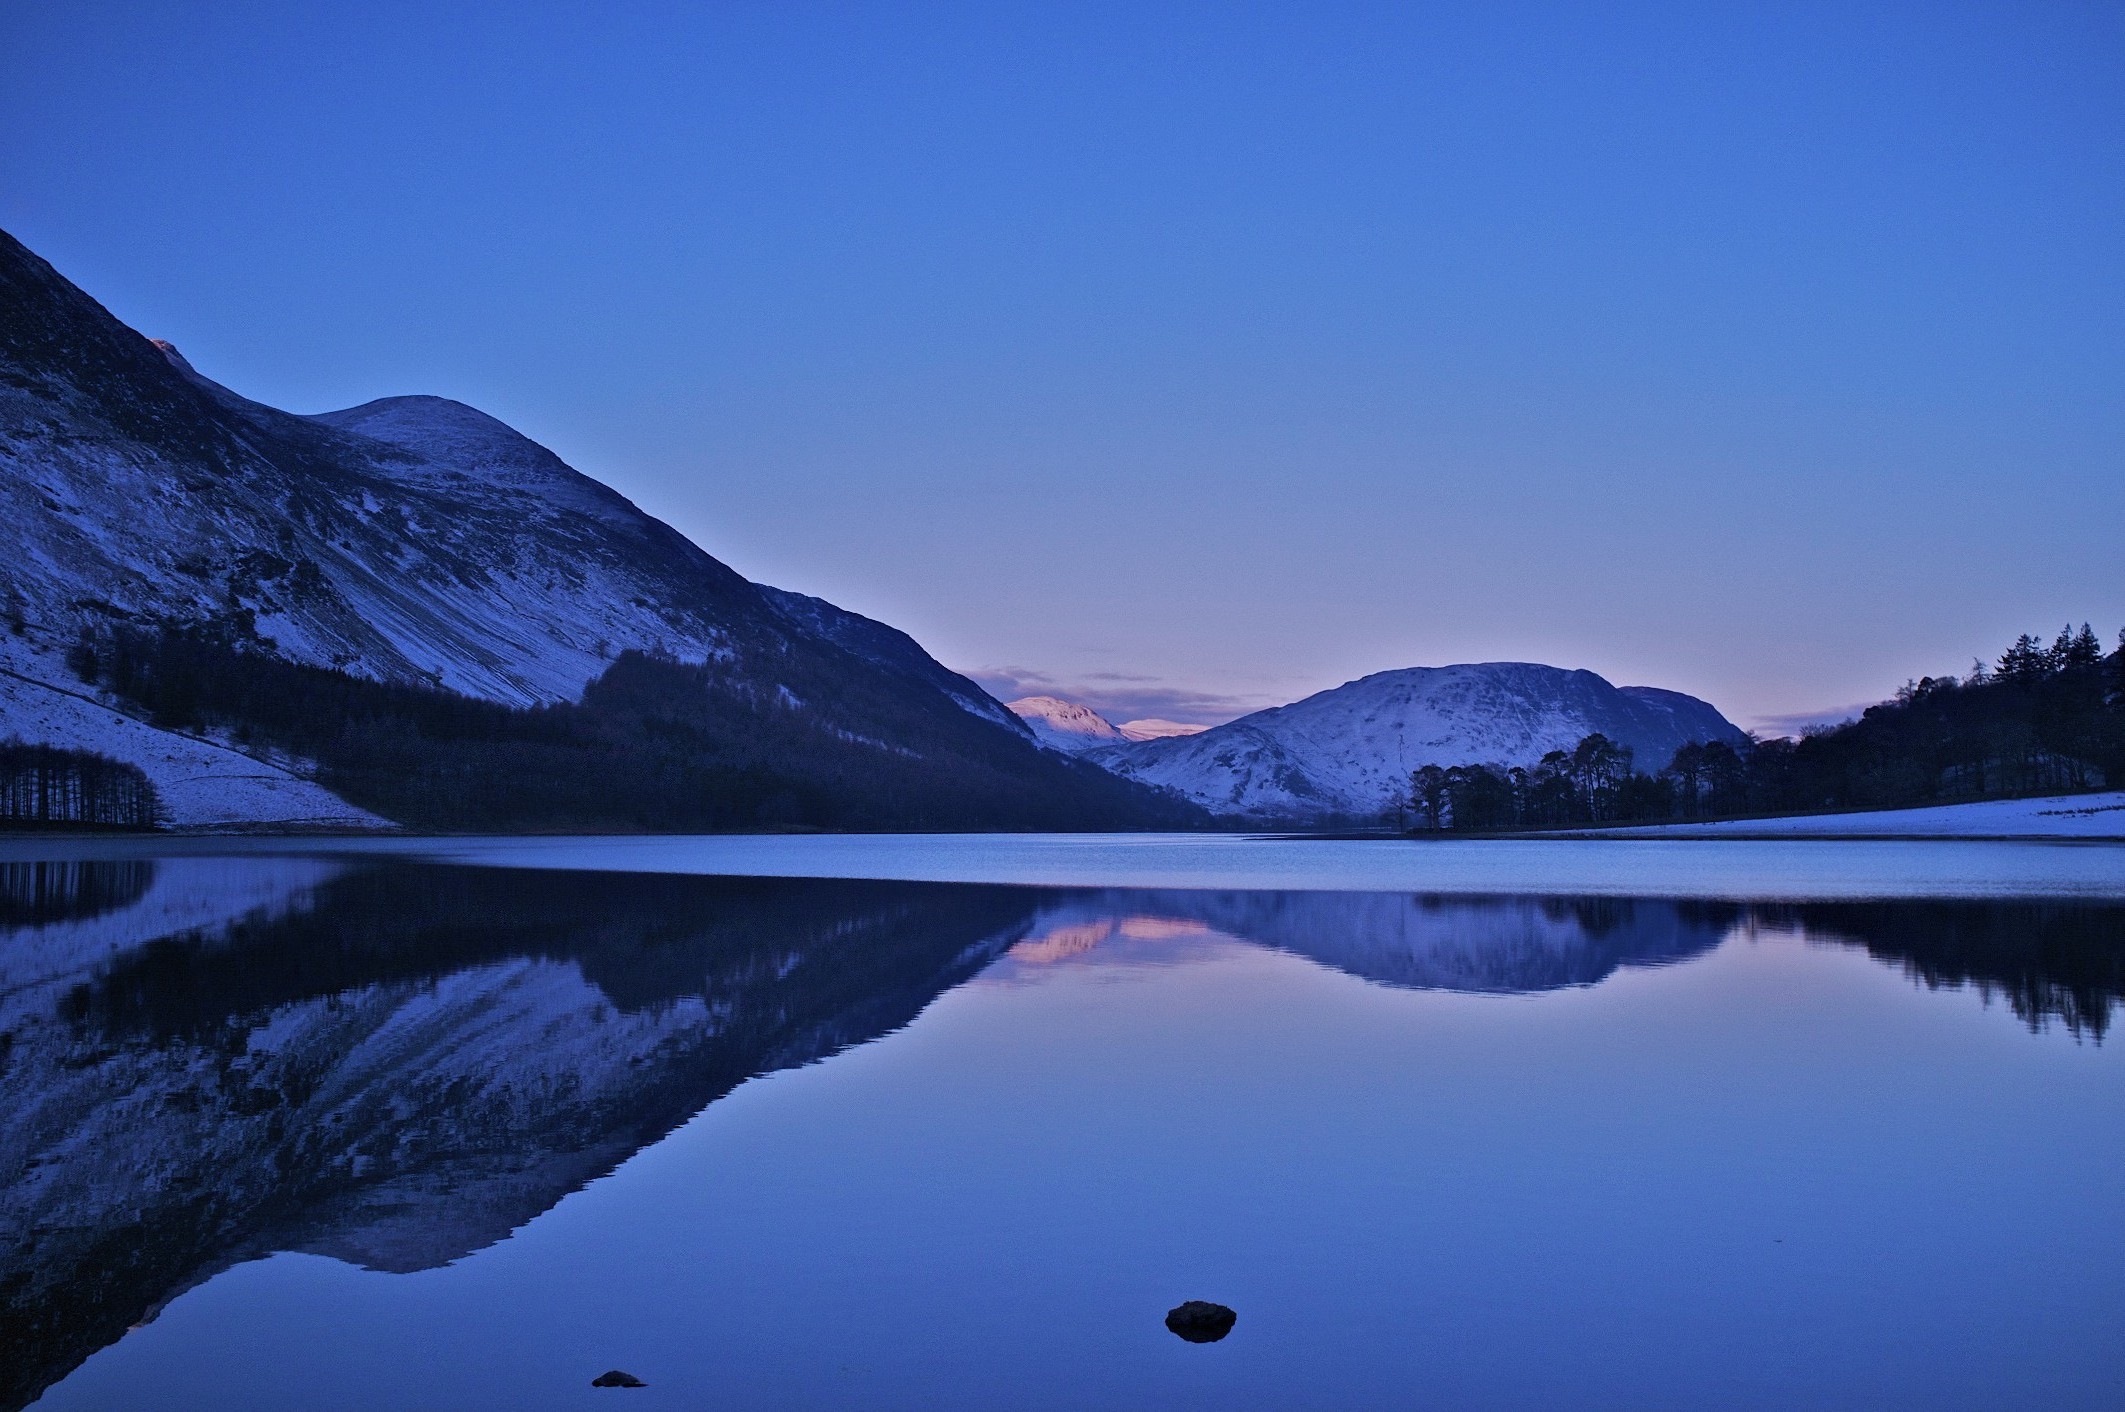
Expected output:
(398, 1065)
(209, 1060)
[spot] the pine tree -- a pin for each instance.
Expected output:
(1427, 794)
(2025, 661)
(2086, 649)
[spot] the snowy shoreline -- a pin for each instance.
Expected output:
(2083, 817)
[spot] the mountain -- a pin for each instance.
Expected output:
(418, 544)
(1073, 728)
(892, 649)
(1347, 754)
(1065, 725)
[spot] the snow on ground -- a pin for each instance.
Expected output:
(2059, 816)
(203, 785)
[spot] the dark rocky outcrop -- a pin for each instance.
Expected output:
(1200, 1321)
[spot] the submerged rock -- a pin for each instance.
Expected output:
(616, 1378)
(1200, 1321)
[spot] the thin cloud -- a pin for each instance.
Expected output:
(1119, 696)
(1798, 722)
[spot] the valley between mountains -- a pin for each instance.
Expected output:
(408, 614)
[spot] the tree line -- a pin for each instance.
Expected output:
(48, 785)
(2042, 719)
(653, 745)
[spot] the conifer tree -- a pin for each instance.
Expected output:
(1427, 794)
(2026, 661)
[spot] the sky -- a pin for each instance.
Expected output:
(1189, 358)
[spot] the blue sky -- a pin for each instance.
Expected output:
(1190, 358)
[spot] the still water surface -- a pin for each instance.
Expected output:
(464, 1124)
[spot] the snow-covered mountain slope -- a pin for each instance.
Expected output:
(1065, 725)
(463, 451)
(409, 540)
(204, 784)
(136, 491)
(892, 649)
(1348, 753)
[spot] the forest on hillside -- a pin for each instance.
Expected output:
(2042, 720)
(654, 745)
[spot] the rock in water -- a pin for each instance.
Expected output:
(1200, 1321)
(616, 1378)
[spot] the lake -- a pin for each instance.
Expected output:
(951, 1123)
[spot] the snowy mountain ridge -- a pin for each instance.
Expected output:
(1065, 725)
(409, 540)
(891, 649)
(1073, 727)
(1347, 753)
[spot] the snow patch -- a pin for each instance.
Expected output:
(2082, 816)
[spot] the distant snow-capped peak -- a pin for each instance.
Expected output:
(1065, 725)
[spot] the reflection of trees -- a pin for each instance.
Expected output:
(414, 1065)
(2061, 961)
(38, 894)
(641, 939)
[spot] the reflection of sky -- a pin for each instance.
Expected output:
(1107, 941)
(1499, 945)
(1506, 1150)
(1703, 869)
(1777, 1176)
(1765, 352)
